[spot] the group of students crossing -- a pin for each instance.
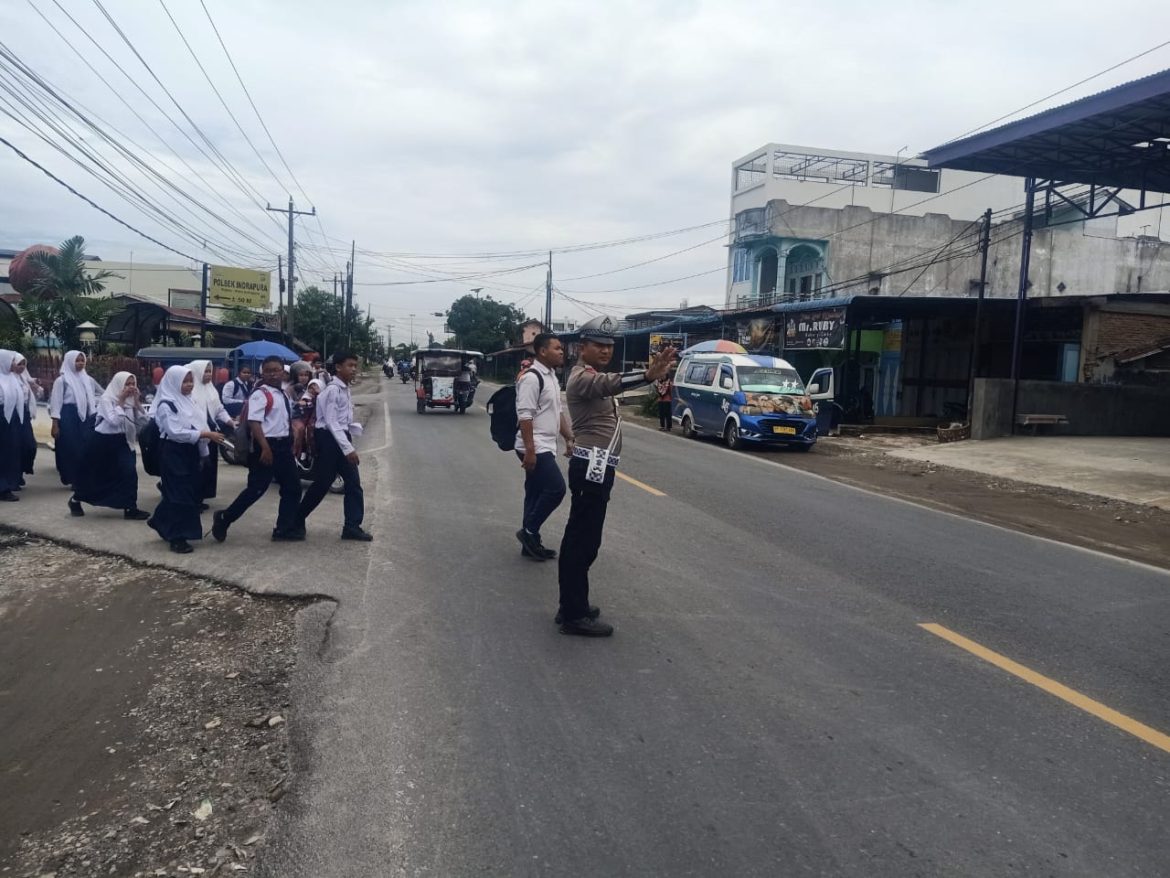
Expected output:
(97, 433)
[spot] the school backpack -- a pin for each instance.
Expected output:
(150, 443)
(501, 409)
(242, 435)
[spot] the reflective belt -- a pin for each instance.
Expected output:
(583, 453)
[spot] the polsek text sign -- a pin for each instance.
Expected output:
(238, 286)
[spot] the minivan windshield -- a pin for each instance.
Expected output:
(759, 379)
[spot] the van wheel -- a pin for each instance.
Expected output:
(688, 427)
(731, 435)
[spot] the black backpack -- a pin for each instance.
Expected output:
(150, 443)
(501, 409)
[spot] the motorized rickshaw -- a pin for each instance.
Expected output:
(445, 378)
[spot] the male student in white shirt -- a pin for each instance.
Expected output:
(336, 430)
(542, 418)
(271, 457)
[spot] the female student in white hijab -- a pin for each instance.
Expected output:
(108, 475)
(33, 393)
(207, 400)
(184, 440)
(73, 408)
(12, 417)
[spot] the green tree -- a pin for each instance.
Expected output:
(483, 324)
(64, 294)
(238, 315)
(317, 319)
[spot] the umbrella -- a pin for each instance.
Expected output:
(257, 350)
(719, 346)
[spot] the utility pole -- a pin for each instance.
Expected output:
(548, 296)
(292, 279)
(349, 295)
(202, 301)
(984, 246)
(280, 296)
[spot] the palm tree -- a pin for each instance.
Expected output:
(63, 293)
(63, 274)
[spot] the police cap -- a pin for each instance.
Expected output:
(599, 329)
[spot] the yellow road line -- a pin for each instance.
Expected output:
(1096, 708)
(641, 485)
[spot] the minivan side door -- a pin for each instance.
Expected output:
(697, 392)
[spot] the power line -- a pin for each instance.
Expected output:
(93, 204)
(1061, 91)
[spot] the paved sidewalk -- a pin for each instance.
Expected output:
(1132, 469)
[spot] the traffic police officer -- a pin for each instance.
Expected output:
(591, 395)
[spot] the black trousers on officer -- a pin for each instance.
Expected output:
(330, 464)
(284, 471)
(582, 537)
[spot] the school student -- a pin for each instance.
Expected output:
(73, 408)
(12, 417)
(334, 436)
(33, 393)
(206, 399)
(542, 420)
(184, 440)
(108, 475)
(271, 457)
(236, 392)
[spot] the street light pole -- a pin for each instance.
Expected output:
(412, 329)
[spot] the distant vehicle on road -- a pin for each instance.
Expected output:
(743, 398)
(445, 378)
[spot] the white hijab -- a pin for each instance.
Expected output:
(11, 386)
(28, 386)
(170, 390)
(81, 385)
(204, 396)
(111, 395)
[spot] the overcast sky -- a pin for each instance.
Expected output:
(452, 128)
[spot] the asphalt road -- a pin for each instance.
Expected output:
(768, 706)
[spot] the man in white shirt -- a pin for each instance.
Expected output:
(269, 430)
(542, 417)
(336, 430)
(235, 393)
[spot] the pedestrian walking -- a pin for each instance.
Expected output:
(183, 440)
(206, 399)
(108, 475)
(270, 457)
(73, 408)
(12, 418)
(33, 394)
(336, 456)
(664, 390)
(542, 418)
(236, 392)
(591, 396)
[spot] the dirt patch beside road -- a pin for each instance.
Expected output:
(143, 716)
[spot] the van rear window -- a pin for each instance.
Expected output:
(759, 379)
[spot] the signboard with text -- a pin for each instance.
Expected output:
(238, 286)
(815, 330)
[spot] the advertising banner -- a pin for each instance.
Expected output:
(815, 330)
(660, 340)
(758, 334)
(238, 286)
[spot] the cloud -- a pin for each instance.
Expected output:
(468, 127)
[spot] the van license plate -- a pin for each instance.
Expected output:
(788, 431)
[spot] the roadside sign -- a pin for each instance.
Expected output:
(238, 286)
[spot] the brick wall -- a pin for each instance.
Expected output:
(1115, 331)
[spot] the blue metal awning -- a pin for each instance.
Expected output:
(1118, 138)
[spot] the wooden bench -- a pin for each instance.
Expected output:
(1036, 421)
